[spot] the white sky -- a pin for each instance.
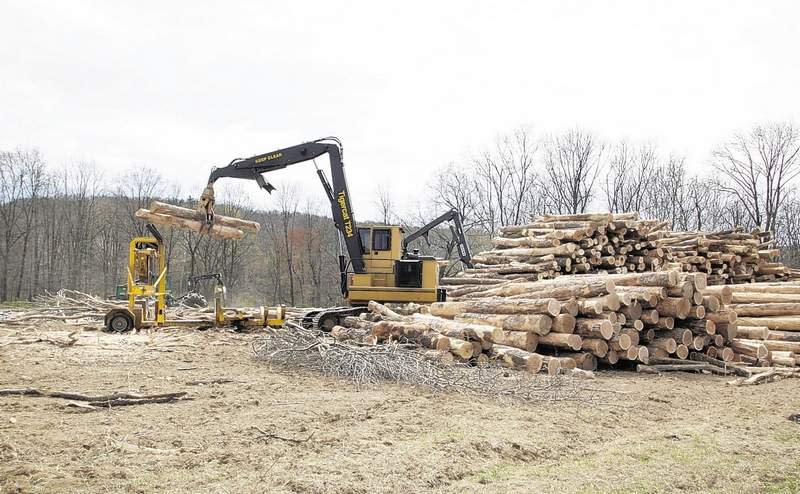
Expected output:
(408, 86)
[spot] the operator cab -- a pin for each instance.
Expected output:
(391, 274)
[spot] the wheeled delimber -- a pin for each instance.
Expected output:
(147, 283)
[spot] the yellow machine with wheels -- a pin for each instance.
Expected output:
(378, 265)
(147, 283)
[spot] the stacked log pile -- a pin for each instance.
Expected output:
(555, 245)
(575, 321)
(768, 322)
(731, 256)
(618, 243)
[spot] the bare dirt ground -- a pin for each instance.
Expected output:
(677, 432)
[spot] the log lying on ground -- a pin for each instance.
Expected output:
(97, 402)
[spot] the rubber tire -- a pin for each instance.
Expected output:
(120, 323)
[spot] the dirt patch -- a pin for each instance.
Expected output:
(673, 433)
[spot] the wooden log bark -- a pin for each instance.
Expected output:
(757, 350)
(497, 306)
(786, 346)
(594, 328)
(784, 323)
(519, 339)
(532, 323)
(194, 214)
(595, 346)
(561, 340)
(216, 230)
(467, 331)
(674, 307)
(563, 323)
(516, 359)
(584, 360)
(753, 332)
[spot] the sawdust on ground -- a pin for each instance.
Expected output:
(672, 433)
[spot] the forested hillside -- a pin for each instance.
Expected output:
(69, 226)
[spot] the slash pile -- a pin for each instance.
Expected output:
(574, 321)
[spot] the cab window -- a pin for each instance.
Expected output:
(381, 240)
(364, 234)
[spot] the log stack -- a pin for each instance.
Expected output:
(768, 322)
(573, 321)
(566, 244)
(222, 227)
(551, 246)
(731, 256)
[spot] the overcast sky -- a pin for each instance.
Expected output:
(408, 86)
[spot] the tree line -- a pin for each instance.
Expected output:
(70, 226)
(751, 184)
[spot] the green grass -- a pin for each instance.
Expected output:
(785, 486)
(492, 474)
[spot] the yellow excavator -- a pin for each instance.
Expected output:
(379, 265)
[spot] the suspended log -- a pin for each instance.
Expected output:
(215, 230)
(194, 214)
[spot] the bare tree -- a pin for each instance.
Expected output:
(760, 165)
(12, 194)
(139, 185)
(788, 231)
(453, 187)
(288, 204)
(385, 204)
(571, 167)
(630, 178)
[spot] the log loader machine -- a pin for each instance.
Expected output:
(379, 265)
(146, 292)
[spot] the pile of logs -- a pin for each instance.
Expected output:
(555, 245)
(618, 243)
(768, 322)
(222, 227)
(731, 256)
(574, 321)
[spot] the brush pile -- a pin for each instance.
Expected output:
(295, 347)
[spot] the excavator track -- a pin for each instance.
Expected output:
(326, 319)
